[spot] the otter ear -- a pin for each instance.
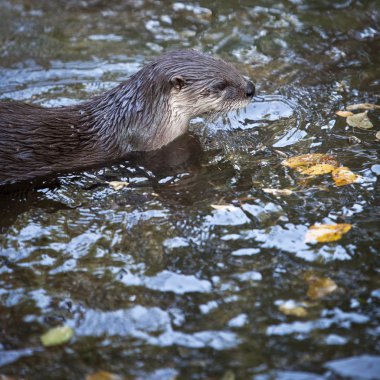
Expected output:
(177, 82)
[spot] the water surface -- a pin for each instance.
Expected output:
(155, 281)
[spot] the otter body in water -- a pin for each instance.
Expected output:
(149, 110)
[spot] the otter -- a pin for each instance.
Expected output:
(146, 112)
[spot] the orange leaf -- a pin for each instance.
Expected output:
(309, 160)
(344, 113)
(343, 176)
(324, 233)
(318, 169)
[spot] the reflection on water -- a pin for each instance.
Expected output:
(183, 272)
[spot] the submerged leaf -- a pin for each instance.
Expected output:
(57, 335)
(363, 106)
(318, 169)
(118, 185)
(228, 375)
(293, 309)
(344, 176)
(360, 120)
(344, 113)
(103, 375)
(278, 192)
(324, 233)
(319, 287)
(309, 160)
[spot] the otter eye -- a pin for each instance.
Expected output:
(220, 86)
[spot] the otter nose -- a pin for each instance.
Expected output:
(250, 89)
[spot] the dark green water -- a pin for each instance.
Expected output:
(155, 282)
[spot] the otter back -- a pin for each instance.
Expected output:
(146, 112)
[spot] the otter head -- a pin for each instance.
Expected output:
(201, 84)
(176, 87)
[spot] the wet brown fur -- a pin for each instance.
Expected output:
(144, 113)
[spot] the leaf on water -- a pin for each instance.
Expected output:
(363, 106)
(293, 309)
(118, 185)
(318, 169)
(57, 335)
(343, 176)
(228, 375)
(344, 113)
(360, 120)
(309, 160)
(324, 233)
(354, 140)
(245, 199)
(103, 375)
(319, 287)
(278, 192)
(378, 135)
(224, 207)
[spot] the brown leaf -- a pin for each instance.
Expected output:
(343, 176)
(246, 199)
(324, 233)
(318, 169)
(228, 375)
(118, 185)
(360, 120)
(319, 287)
(292, 309)
(278, 192)
(103, 375)
(363, 106)
(309, 160)
(344, 113)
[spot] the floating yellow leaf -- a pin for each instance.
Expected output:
(293, 309)
(363, 106)
(57, 335)
(309, 160)
(360, 120)
(319, 287)
(344, 113)
(103, 375)
(343, 176)
(278, 192)
(318, 169)
(324, 233)
(118, 185)
(378, 135)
